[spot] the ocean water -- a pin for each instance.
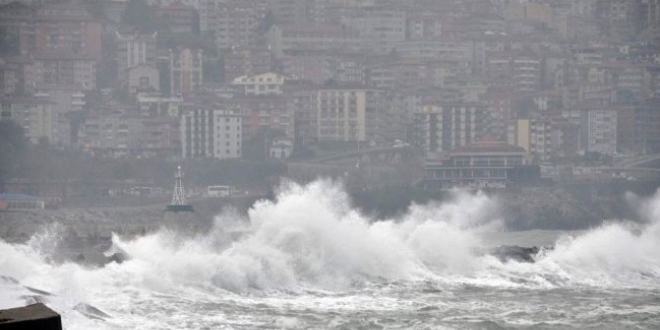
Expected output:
(310, 261)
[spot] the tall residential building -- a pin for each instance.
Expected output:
(349, 114)
(207, 133)
(34, 114)
(234, 23)
(533, 135)
(443, 127)
(67, 30)
(288, 11)
(246, 62)
(599, 130)
(18, 20)
(186, 67)
(380, 28)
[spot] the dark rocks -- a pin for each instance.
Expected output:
(32, 317)
(516, 253)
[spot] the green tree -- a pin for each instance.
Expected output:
(138, 13)
(256, 148)
(8, 42)
(13, 143)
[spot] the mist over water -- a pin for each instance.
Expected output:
(308, 259)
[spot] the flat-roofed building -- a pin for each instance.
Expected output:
(481, 164)
(350, 114)
(209, 133)
(442, 127)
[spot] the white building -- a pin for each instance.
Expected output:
(262, 84)
(443, 127)
(598, 131)
(209, 133)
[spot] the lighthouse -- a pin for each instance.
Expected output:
(179, 203)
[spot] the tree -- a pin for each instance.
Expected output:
(256, 148)
(8, 42)
(13, 143)
(138, 13)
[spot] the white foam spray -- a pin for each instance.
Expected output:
(311, 239)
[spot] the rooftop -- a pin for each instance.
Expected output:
(487, 147)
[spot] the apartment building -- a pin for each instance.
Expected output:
(235, 23)
(67, 30)
(179, 18)
(34, 114)
(246, 61)
(599, 130)
(314, 37)
(441, 127)
(350, 114)
(533, 135)
(207, 133)
(262, 84)
(18, 20)
(381, 28)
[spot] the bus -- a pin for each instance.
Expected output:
(219, 191)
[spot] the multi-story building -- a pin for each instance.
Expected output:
(316, 68)
(478, 165)
(526, 73)
(314, 37)
(265, 112)
(565, 137)
(246, 61)
(350, 69)
(109, 134)
(350, 114)
(441, 128)
(618, 18)
(533, 135)
(499, 113)
(186, 73)
(34, 114)
(9, 78)
(158, 106)
(380, 28)
(262, 84)
(288, 11)
(67, 30)
(422, 25)
(207, 133)
(302, 101)
(599, 130)
(18, 21)
(158, 136)
(235, 23)
(65, 70)
(179, 18)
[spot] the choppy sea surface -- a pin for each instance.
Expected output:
(310, 261)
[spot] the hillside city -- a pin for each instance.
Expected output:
(451, 92)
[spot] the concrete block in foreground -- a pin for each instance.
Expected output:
(32, 317)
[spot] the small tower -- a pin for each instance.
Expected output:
(179, 203)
